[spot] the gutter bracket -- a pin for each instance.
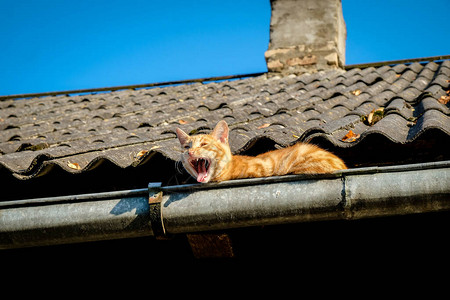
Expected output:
(154, 200)
(346, 200)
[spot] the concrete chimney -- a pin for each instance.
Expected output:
(306, 36)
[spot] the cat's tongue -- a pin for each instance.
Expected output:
(201, 171)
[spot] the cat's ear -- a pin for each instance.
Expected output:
(183, 137)
(220, 132)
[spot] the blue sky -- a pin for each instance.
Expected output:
(54, 45)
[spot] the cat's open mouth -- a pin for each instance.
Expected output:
(201, 167)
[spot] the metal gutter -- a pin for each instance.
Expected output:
(73, 219)
(345, 195)
(350, 194)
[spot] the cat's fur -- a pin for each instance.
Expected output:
(207, 157)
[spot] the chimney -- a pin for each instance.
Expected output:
(306, 36)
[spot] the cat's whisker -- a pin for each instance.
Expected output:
(178, 165)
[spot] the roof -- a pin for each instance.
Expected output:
(127, 127)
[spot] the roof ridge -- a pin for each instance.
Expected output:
(125, 87)
(400, 61)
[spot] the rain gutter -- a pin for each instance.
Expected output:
(167, 210)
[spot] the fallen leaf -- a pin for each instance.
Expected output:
(74, 166)
(375, 115)
(141, 153)
(356, 92)
(182, 122)
(264, 126)
(444, 99)
(350, 137)
(296, 136)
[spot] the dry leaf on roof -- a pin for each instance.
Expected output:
(141, 153)
(74, 166)
(444, 99)
(182, 122)
(264, 125)
(375, 115)
(356, 92)
(350, 137)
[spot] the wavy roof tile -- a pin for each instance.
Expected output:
(128, 127)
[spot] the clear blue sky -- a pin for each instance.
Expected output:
(54, 45)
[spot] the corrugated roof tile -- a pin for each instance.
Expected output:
(87, 130)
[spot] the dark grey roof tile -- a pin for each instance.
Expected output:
(371, 78)
(400, 107)
(363, 109)
(391, 126)
(433, 66)
(434, 90)
(429, 103)
(400, 68)
(353, 102)
(431, 119)
(128, 127)
(382, 98)
(333, 114)
(345, 122)
(408, 75)
(444, 70)
(441, 80)
(421, 82)
(399, 85)
(410, 94)
(383, 70)
(416, 67)
(427, 73)
(377, 88)
(310, 114)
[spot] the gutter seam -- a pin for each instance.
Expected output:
(347, 212)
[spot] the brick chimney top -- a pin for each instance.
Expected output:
(306, 36)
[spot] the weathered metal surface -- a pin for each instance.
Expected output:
(74, 222)
(253, 205)
(347, 197)
(350, 194)
(397, 193)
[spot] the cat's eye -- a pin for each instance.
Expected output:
(187, 147)
(203, 144)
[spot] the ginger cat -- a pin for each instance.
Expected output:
(207, 157)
